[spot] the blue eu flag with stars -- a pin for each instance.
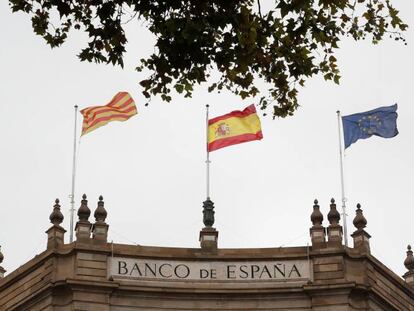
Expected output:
(380, 122)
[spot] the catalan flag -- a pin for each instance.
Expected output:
(120, 108)
(233, 128)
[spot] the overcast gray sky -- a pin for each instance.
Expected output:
(151, 169)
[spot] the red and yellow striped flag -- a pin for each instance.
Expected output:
(233, 128)
(120, 108)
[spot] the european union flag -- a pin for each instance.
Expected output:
(380, 122)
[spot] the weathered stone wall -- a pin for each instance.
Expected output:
(29, 282)
(78, 277)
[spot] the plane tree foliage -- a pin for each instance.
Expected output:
(224, 44)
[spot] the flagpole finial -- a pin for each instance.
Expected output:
(208, 235)
(208, 213)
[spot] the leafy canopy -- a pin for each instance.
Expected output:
(282, 47)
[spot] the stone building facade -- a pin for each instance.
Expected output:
(92, 274)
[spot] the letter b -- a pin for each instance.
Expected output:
(122, 267)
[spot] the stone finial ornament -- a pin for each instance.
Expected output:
(84, 212)
(409, 261)
(316, 216)
(1, 256)
(55, 234)
(409, 264)
(360, 236)
(317, 231)
(83, 226)
(333, 215)
(359, 221)
(2, 271)
(208, 213)
(334, 231)
(56, 216)
(100, 212)
(100, 228)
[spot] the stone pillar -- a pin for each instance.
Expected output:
(83, 226)
(409, 264)
(360, 236)
(317, 231)
(208, 235)
(2, 270)
(334, 229)
(100, 228)
(55, 234)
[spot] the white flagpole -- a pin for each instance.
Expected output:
(207, 158)
(341, 159)
(72, 194)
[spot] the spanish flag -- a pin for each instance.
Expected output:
(233, 128)
(120, 108)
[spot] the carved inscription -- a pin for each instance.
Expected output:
(140, 268)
